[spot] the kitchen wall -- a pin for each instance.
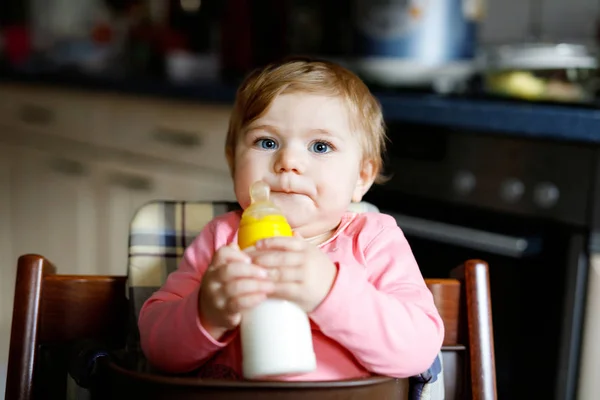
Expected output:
(551, 20)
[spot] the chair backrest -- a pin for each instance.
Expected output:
(159, 233)
(51, 312)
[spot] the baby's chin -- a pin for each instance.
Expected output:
(299, 218)
(311, 223)
(314, 229)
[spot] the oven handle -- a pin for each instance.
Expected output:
(511, 246)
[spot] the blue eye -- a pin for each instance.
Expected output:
(321, 147)
(266, 144)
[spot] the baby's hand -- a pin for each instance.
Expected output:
(230, 285)
(301, 271)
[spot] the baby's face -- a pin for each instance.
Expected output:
(304, 148)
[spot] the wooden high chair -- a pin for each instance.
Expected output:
(52, 312)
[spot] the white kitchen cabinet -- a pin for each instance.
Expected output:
(7, 261)
(176, 131)
(76, 211)
(68, 114)
(55, 209)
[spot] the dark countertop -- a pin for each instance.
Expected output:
(515, 118)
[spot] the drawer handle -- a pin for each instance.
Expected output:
(138, 183)
(68, 167)
(177, 138)
(36, 115)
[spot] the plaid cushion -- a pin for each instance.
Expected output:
(160, 232)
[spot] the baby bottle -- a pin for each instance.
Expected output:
(276, 334)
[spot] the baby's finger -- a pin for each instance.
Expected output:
(287, 290)
(286, 274)
(228, 254)
(220, 301)
(243, 287)
(239, 270)
(289, 243)
(275, 259)
(241, 303)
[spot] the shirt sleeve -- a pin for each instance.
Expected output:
(171, 335)
(383, 312)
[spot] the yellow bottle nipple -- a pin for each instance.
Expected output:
(262, 219)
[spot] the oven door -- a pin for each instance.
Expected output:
(536, 288)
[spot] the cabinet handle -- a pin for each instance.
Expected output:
(139, 183)
(176, 138)
(68, 167)
(36, 115)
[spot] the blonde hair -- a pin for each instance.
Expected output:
(262, 86)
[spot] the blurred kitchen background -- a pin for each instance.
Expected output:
(492, 114)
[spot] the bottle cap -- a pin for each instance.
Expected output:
(262, 219)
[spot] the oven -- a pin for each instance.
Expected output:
(525, 207)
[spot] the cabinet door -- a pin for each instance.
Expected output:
(177, 132)
(7, 257)
(127, 188)
(8, 260)
(54, 210)
(58, 113)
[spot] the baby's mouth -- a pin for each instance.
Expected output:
(285, 193)
(286, 196)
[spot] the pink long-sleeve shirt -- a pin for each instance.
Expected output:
(379, 317)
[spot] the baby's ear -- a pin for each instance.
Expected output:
(365, 180)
